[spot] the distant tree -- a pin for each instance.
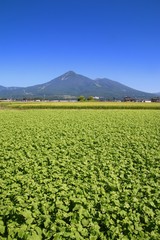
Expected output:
(81, 99)
(90, 98)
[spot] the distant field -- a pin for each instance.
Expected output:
(79, 174)
(79, 105)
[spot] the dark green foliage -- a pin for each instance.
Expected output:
(90, 98)
(81, 99)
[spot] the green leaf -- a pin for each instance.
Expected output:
(85, 222)
(2, 229)
(22, 230)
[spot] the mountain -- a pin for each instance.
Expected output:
(2, 88)
(71, 85)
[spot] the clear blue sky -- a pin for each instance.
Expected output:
(116, 39)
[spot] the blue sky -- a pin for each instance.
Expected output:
(116, 39)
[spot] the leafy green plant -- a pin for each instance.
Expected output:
(79, 174)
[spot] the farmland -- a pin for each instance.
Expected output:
(79, 174)
(78, 105)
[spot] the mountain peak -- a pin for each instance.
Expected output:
(67, 75)
(70, 72)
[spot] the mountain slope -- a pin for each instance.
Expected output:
(119, 91)
(2, 88)
(72, 85)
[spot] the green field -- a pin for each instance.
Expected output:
(79, 105)
(79, 174)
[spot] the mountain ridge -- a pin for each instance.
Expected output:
(71, 85)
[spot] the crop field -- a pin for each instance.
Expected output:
(79, 174)
(79, 105)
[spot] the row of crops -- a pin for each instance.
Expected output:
(79, 174)
(79, 105)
